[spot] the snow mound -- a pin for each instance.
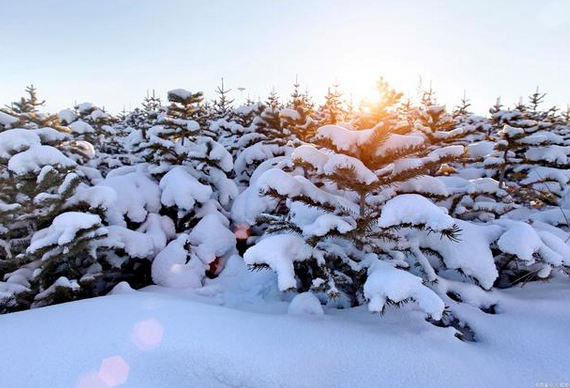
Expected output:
(64, 228)
(305, 303)
(171, 267)
(285, 250)
(36, 157)
(137, 195)
(81, 127)
(7, 120)
(122, 288)
(181, 189)
(17, 140)
(67, 116)
(415, 210)
(211, 238)
(386, 284)
(472, 253)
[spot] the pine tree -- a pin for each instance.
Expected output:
(184, 154)
(332, 111)
(462, 110)
(28, 113)
(296, 116)
(427, 97)
(382, 111)
(524, 163)
(37, 184)
(352, 166)
(222, 104)
(268, 139)
(566, 116)
(136, 125)
(151, 103)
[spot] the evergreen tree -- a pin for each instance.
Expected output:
(183, 154)
(332, 111)
(268, 139)
(28, 113)
(382, 111)
(222, 104)
(37, 184)
(351, 167)
(296, 116)
(525, 165)
(462, 110)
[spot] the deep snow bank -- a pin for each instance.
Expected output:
(207, 338)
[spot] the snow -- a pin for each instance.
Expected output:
(61, 282)
(554, 154)
(248, 205)
(67, 116)
(181, 93)
(146, 242)
(171, 268)
(386, 283)
(49, 135)
(305, 303)
(121, 288)
(348, 140)
(290, 114)
(85, 107)
(510, 132)
(426, 185)
(480, 149)
(81, 127)
(511, 241)
(361, 173)
(285, 184)
(181, 189)
(102, 197)
(415, 210)
(396, 142)
(214, 151)
(136, 193)
(445, 152)
(472, 253)
(279, 252)
(324, 223)
(255, 153)
(7, 120)
(36, 157)
(215, 318)
(343, 139)
(311, 155)
(98, 114)
(16, 140)
(211, 238)
(64, 228)
(157, 338)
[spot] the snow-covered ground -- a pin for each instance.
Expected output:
(236, 332)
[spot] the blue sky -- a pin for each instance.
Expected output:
(111, 51)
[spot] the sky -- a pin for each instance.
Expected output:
(110, 52)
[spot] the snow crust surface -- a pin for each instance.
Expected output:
(211, 338)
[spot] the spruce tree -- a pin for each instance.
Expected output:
(268, 139)
(382, 111)
(27, 110)
(343, 183)
(222, 104)
(296, 117)
(333, 110)
(37, 184)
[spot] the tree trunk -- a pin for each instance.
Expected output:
(362, 203)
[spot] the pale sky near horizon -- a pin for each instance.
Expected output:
(111, 52)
